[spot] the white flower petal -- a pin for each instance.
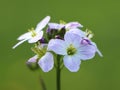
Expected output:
(98, 51)
(58, 46)
(36, 38)
(42, 24)
(87, 52)
(72, 63)
(71, 38)
(55, 26)
(19, 43)
(46, 62)
(33, 59)
(25, 36)
(78, 32)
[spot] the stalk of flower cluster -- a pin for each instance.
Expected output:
(58, 74)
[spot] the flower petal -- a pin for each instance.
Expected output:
(98, 51)
(55, 26)
(78, 32)
(33, 59)
(87, 52)
(72, 63)
(25, 36)
(58, 46)
(36, 38)
(71, 38)
(46, 62)
(19, 43)
(73, 25)
(42, 24)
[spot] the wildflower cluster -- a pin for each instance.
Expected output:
(65, 40)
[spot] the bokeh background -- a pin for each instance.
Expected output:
(100, 16)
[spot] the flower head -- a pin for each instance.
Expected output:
(72, 49)
(64, 41)
(33, 35)
(43, 59)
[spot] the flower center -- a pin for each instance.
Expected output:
(33, 33)
(71, 50)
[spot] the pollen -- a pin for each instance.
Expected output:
(71, 50)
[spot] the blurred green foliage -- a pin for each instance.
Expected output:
(100, 16)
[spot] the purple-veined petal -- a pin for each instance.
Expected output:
(20, 42)
(87, 52)
(71, 38)
(33, 59)
(46, 62)
(85, 42)
(73, 25)
(58, 46)
(55, 26)
(25, 36)
(42, 24)
(72, 63)
(36, 38)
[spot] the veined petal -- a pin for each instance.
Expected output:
(78, 32)
(46, 62)
(42, 24)
(19, 43)
(72, 63)
(33, 59)
(25, 36)
(71, 38)
(36, 38)
(55, 26)
(73, 25)
(87, 52)
(98, 51)
(58, 46)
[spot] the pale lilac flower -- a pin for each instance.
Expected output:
(73, 50)
(86, 38)
(69, 25)
(46, 62)
(34, 35)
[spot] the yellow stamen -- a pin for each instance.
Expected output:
(71, 50)
(89, 34)
(33, 33)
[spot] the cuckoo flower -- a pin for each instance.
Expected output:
(46, 62)
(33, 35)
(43, 58)
(72, 49)
(87, 35)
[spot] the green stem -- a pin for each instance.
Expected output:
(58, 85)
(42, 83)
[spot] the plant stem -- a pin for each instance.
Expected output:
(42, 83)
(58, 85)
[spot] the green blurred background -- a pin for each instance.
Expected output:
(101, 16)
